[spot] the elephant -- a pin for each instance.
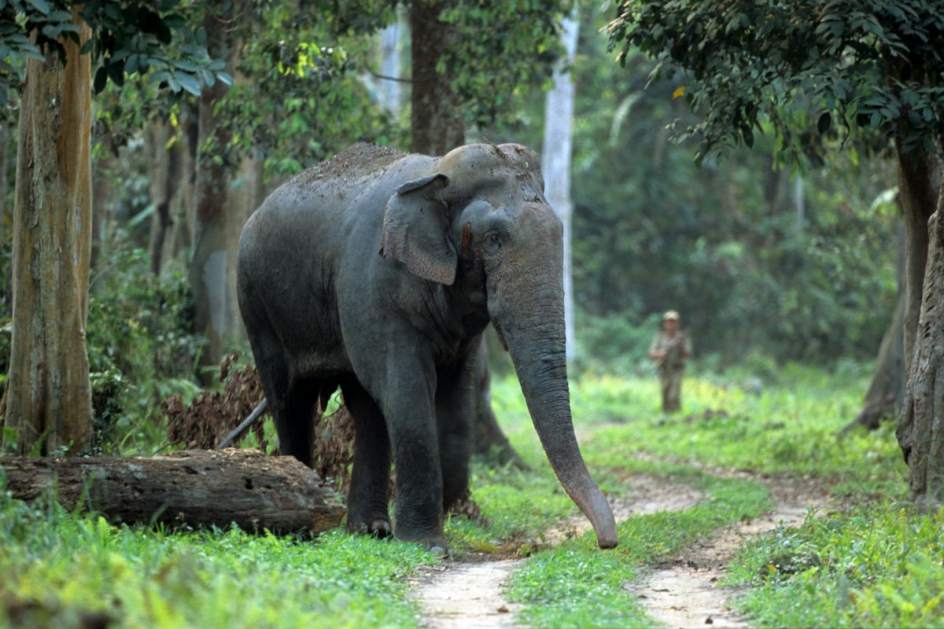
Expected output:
(376, 272)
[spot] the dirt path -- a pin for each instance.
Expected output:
(684, 592)
(461, 594)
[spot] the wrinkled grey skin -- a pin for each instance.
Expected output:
(380, 280)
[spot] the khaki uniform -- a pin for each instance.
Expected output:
(671, 367)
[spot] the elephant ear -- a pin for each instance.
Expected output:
(416, 228)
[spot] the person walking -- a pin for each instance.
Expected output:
(669, 350)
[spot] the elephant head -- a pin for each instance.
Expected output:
(480, 215)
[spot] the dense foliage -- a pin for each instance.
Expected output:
(755, 268)
(128, 38)
(804, 67)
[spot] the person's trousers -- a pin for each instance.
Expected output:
(671, 382)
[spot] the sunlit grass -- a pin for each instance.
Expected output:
(876, 565)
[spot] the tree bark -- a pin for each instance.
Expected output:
(195, 488)
(48, 404)
(435, 120)
(211, 257)
(921, 429)
(556, 161)
(4, 210)
(165, 173)
(918, 195)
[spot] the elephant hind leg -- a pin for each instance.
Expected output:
(295, 420)
(368, 495)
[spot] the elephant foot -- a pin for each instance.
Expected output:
(378, 527)
(433, 542)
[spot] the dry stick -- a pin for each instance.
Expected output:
(245, 424)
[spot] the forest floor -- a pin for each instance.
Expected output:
(745, 510)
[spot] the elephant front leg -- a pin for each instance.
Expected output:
(399, 373)
(419, 483)
(370, 477)
(455, 411)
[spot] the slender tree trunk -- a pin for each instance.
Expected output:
(921, 429)
(488, 440)
(165, 167)
(918, 197)
(435, 120)
(48, 403)
(556, 158)
(4, 210)
(101, 191)
(211, 257)
(6, 222)
(391, 97)
(184, 208)
(248, 192)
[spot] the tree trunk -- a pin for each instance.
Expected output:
(6, 222)
(918, 195)
(488, 440)
(921, 429)
(4, 211)
(390, 91)
(247, 193)
(165, 173)
(190, 488)
(48, 404)
(435, 120)
(101, 191)
(211, 257)
(556, 161)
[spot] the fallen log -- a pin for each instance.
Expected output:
(195, 488)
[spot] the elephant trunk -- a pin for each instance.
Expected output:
(536, 344)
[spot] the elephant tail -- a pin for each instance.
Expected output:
(245, 424)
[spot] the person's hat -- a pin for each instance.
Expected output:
(670, 315)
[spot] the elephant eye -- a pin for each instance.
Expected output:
(493, 242)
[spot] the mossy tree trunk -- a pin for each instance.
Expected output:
(211, 255)
(48, 399)
(921, 429)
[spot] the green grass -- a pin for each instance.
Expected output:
(577, 585)
(875, 564)
(60, 566)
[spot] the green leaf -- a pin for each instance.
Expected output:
(101, 79)
(189, 83)
(42, 6)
